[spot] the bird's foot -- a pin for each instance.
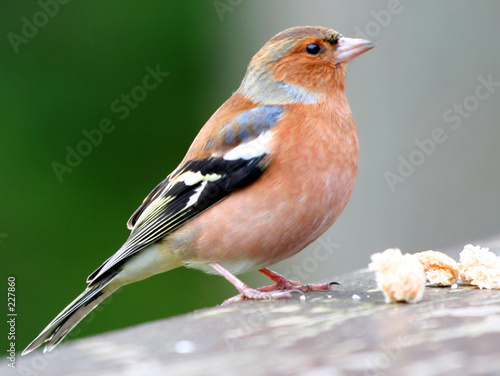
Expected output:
(297, 286)
(283, 287)
(259, 294)
(283, 283)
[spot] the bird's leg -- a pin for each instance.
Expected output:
(247, 292)
(283, 283)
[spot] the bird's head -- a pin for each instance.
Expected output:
(300, 64)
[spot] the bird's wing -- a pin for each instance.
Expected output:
(198, 184)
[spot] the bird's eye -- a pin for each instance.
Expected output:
(313, 49)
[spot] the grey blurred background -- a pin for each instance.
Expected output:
(433, 80)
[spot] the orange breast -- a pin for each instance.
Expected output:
(299, 197)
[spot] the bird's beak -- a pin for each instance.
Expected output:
(349, 48)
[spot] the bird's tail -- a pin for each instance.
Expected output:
(72, 315)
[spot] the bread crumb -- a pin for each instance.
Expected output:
(400, 277)
(440, 269)
(480, 267)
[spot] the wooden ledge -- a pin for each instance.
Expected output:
(348, 331)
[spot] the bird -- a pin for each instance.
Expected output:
(268, 173)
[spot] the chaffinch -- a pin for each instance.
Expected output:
(270, 171)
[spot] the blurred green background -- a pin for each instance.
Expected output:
(64, 79)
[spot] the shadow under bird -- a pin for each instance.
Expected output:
(269, 172)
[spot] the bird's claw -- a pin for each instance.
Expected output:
(257, 294)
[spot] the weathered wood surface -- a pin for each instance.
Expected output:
(451, 332)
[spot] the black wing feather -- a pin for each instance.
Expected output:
(173, 203)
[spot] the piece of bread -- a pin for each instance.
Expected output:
(440, 269)
(480, 267)
(400, 277)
